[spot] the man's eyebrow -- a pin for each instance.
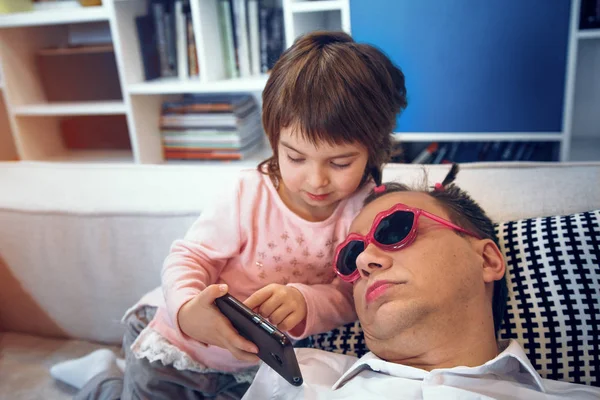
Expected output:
(344, 155)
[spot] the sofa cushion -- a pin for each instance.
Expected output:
(554, 293)
(553, 311)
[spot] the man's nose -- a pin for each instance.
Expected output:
(372, 259)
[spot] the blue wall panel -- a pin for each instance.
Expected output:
(473, 65)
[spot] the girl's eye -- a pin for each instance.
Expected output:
(295, 160)
(340, 166)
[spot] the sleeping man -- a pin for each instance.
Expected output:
(430, 293)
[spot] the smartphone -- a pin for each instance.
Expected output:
(274, 347)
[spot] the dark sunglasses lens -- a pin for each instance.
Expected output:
(346, 262)
(394, 228)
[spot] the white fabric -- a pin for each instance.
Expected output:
(101, 265)
(507, 190)
(336, 376)
(77, 372)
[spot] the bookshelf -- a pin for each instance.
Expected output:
(54, 17)
(306, 16)
(588, 34)
(478, 137)
(582, 93)
(174, 85)
(8, 152)
(35, 121)
(71, 109)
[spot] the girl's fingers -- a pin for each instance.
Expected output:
(289, 322)
(242, 355)
(232, 339)
(279, 315)
(269, 307)
(259, 297)
(241, 348)
(212, 292)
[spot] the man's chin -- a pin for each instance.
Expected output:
(389, 318)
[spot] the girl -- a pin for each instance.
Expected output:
(329, 107)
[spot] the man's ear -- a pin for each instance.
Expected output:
(493, 265)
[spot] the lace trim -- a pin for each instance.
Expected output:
(152, 346)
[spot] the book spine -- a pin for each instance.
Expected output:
(423, 156)
(521, 147)
(277, 36)
(264, 38)
(194, 68)
(227, 38)
(241, 31)
(148, 48)
(170, 38)
(158, 13)
(182, 53)
(507, 154)
(529, 152)
(452, 152)
(254, 30)
(441, 153)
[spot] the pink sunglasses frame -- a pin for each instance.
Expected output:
(370, 238)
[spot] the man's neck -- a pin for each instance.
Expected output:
(469, 345)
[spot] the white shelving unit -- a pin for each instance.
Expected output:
(175, 85)
(478, 137)
(581, 118)
(8, 152)
(72, 108)
(588, 34)
(35, 122)
(306, 16)
(53, 17)
(92, 156)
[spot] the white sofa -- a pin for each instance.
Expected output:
(79, 244)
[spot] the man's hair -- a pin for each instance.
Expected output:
(330, 89)
(464, 212)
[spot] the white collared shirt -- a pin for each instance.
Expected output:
(336, 376)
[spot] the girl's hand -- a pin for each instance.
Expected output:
(283, 305)
(201, 320)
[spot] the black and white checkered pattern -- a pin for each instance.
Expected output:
(554, 293)
(553, 277)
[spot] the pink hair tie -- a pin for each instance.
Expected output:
(379, 189)
(438, 187)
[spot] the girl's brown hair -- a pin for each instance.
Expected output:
(331, 89)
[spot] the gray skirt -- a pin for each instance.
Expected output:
(153, 380)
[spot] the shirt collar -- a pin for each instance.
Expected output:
(511, 361)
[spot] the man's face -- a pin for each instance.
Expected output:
(430, 281)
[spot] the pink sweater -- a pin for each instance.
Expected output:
(248, 240)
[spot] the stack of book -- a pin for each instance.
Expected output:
(211, 127)
(252, 35)
(462, 152)
(167, 42)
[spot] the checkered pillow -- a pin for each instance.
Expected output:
(553, 310)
